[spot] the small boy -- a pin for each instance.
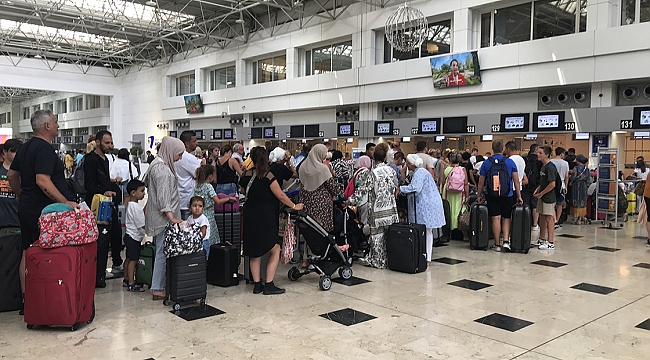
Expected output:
(134, 233)
(196, 208)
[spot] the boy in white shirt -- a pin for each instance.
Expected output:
(134, 233)
(196, 209)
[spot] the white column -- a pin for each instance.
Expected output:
(602, 14)
(462, 30)
(240, 73)
(293, 63)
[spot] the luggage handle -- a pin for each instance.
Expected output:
(232, 219)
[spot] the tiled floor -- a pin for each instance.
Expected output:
(468, 305)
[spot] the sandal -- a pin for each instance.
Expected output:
(135, 288)
(125, 283)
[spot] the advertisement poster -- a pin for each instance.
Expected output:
(455, 70)
(599, 141)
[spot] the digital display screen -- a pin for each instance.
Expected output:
(383, 128)
(454, 125)
(429, 126)
(312, 130)
(345, 129)
(269, 132)
(487, 137)
(228, 134)
(439, 138)
(642, 134)
(514, 122)
(530, 137)
(644, 118)
(549, 121)
(173, 134)
(199, 134)
(216, 134)
(256, 133)
(582, 136)
(297, 131)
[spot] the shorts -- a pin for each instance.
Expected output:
(546, 209)
(529, 199)
(561, 202)
(500, 206)
(132, 248)
(28, 227)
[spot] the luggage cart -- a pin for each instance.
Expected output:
(607, 189)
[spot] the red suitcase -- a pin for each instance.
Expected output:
(60, 285)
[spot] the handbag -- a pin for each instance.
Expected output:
(288, 242)
(639, 188)
(182, 239)
(72, 227)
(463, 218)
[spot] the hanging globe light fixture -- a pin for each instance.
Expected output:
(406, 28)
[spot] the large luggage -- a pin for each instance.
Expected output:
(223, 265)
(479, 227)
(446, 230)
(60, 285)
(229, 223)
(10, 254)
(406, 248)
(186, 279)
(521, 229)
(144, 267)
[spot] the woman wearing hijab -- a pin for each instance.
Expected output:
(318, 188)
(362, 185)
(382, 209)
(341, 168)
(579, 180)
(281, 166)
(163, 205)
(426, 208)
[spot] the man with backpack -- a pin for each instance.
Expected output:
(548, 192)
(532, 169)
(499, 178)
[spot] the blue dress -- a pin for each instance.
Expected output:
(429, 203)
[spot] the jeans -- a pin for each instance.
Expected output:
(206, 247)
(226, 189)
(185, 214)
(160, 264)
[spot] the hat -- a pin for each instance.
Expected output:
(582, 159)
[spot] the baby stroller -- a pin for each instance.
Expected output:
(347, 229)
(327, 257)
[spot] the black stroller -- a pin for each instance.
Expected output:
(327, 257)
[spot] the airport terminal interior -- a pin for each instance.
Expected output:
(570, 74)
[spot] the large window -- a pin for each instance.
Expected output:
(223, 78)
(49, 106)
(535, 20)
(5, 118)
(329, 58)
(271, 69)
(437, 41)
(93, 102)
(185, 85)
(62, 106)
(634, 11)
(25, 112)
(77, 103)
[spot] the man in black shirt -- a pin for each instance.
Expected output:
(8, 203)
(149, 157)
(37, 177)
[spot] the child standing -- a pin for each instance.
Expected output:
(205, 176)
(196, 209)
(134, 233)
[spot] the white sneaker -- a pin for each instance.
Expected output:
(547, 246)
(537, 243)
(506, 246)
(535, 228)
(118, 268)
(496, 248)
(109, 275)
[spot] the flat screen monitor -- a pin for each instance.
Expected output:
(550, 121)
(455, 70)
(311, 131)
(454, 125)
(199, 134)
(582, 136)
(228, 134)
(256, 133)
(641, 117)
(217, 134)
(440, 138)
(297, 131)
(269, 132)
(383, 128)
(173, 133)
(429, 126)
(345, 129)
(193, 104)
(515, 122)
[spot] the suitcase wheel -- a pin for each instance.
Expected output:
(202, 302)
(30, 326)
(75, 327)
(92, 315)
(471, 247)
(526, 251)
(166, 302)
(325, 283)
(177, 306)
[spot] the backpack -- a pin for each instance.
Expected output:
(532, 173)
(350, 187)
(498, 178)
(78, 182)
(456, 180)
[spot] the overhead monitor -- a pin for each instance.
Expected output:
(297, 131)
(548, 121)
(256, 133)
(199, 134)
(429, 126)
(515, 123)
(383, 127)
(311, 131)
(217, 134)
(454, 125)
(173, 133)
(641, 117)
(193, 104)
(228, 134)
(345, 129)
(269, 132)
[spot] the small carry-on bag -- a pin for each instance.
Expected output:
(406, 247)
(11, 252)
(223, 265)
(72, 227)
(186, 279)
(479, 227)
(182, 239)
(521, 228)
(60, 285)
(144, 267)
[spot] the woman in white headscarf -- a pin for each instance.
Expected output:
(426, 208)
(281, 167)
(163, 205)
(318, 188)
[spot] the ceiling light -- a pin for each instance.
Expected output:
(159, 47)
(196, 35)
(151, 3)
(107, 64)
(37, 56)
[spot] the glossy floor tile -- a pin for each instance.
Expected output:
(429, 315)
(197, 312)
(603, 290)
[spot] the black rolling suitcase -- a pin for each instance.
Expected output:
(229, 224)
(479, 227)
(406, 247)
(446, 230)
(223, 265)
(10, 254)
(186, 279)
(521, 228)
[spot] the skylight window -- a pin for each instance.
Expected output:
(74, 38)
